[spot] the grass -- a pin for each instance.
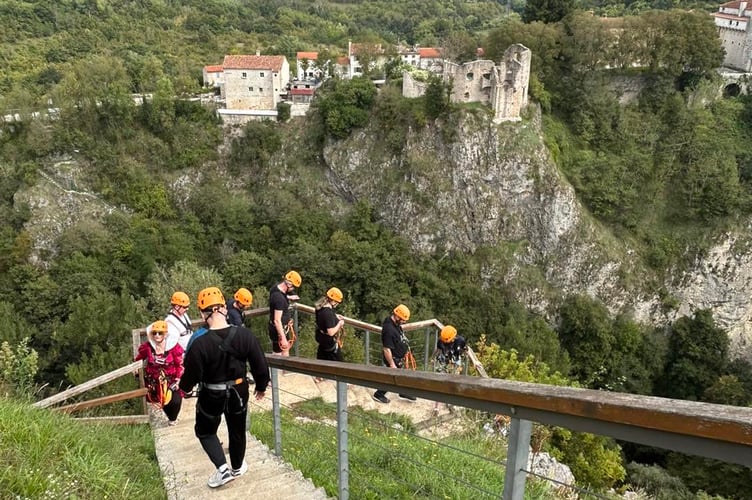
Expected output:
(387, 458)
(50, 455)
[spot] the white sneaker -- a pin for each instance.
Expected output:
(220, 477)
(242, 470)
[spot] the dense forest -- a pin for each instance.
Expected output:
(192, 205)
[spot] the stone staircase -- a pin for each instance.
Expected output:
(186, 468)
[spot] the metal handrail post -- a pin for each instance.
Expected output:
(428, 348)
(276, 414)
(343, 456)
(368, 347)
(295, 324)
(517, 454)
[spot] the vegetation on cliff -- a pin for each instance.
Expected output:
(191, 205)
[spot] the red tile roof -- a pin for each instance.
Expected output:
(301, 91)
(730, 17)
(273, 63)
(308, 55)
(732, 5)
(343, 61)
(374, 48)
(429, 53)
(215, 68)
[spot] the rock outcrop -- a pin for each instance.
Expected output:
(497, 186)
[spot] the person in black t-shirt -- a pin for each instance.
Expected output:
(394, 346)
(448, 356)
(450, 348)
(280, 320)
(329, 325)
(218, 362)
(240, 302)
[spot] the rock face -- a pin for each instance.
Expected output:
(492, 186)
(474, 185)
(56, 202)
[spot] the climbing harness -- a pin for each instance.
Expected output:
(290, 333)
(159, 393)
(409, 360)
(341, 338)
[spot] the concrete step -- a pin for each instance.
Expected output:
(186, 468)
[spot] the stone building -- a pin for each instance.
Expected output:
(733, 23)
(254, 82)
(503, 87)
(213, 75)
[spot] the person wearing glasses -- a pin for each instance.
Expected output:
(394, 346)
(280, 320)
(178, 322)
(163, 367)
(329, 325)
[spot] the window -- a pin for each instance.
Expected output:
(243, 75)
(261, 74)
(469, 76)
(250, 89)
(261, 90)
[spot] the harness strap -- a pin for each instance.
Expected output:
(221, 386)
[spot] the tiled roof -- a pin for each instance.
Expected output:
(301, 91)
(273, 63)
(732, 5)
(429, 53)
(308, 55)
(343, 61)
(368, 47)
(215, 68)
(730, 17)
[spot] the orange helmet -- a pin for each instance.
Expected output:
(334, 294)
(244, 297)
(210, 297)
(294, 278)
(159, 326)
(448, 333)
(180, 299)
(402, 312)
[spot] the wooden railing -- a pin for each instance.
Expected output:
(128, 369)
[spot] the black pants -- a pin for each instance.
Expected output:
(335, 355)
(172, 409)
(398, 363)
(211, 405)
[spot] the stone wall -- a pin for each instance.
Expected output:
(503, 87)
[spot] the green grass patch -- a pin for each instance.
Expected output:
(50, 455)
(387, 458)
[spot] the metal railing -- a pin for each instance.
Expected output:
(708, 430)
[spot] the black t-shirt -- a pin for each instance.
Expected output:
(234, 315)
(325, 319)
(451, 351)
(206, 362)
(394, 338)
(278, 302)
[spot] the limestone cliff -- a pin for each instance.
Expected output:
(468, 186)
(497, 186)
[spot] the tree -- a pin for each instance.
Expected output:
(547, 11)
(696, 357)
(184, 276)
(585, 331)
(95, 96)
(344, 105)
(436, 99)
